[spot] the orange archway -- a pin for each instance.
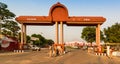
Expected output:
(58, 14)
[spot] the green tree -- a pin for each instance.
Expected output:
(112, 34)
(4, 12)
(28, 39)
(9, 27)
(41, 41)
(89, 34)
(49, 41)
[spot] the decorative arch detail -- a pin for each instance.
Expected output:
(58, 12)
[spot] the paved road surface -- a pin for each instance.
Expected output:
(73, 57)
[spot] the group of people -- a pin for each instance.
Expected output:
(55, 50)
(101, 50)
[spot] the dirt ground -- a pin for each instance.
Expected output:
(72, 57)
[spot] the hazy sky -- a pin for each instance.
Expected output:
(110, 9)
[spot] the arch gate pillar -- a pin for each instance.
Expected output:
(22, 39)
(98, 34)
(61, 33)
(23, 35)
(56, 38)
(59, 40)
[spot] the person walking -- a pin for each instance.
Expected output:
(50, 51)
(111, 51)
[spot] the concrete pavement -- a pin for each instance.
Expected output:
(73, 57)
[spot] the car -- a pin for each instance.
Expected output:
(35, 48)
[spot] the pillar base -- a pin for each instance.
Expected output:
(18, 51)
(20, 46)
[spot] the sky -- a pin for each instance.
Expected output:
(110, 9)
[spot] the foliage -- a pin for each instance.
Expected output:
(38, 42)
(4, 12)
(112, 34)
(28, 39)
(9, 26)
(49, 42)
(41, 41)
(89, 34)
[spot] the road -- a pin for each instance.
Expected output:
(73, 57)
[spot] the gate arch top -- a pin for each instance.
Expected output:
(58, 12)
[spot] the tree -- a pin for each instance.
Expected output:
(89, 34)
(4, 12)
(28, 39)
(112, 34)
(39, 40)
(49, 42)
(9, 27)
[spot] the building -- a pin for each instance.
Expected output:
(8, 43)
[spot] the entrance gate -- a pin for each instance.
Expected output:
(58, 14)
